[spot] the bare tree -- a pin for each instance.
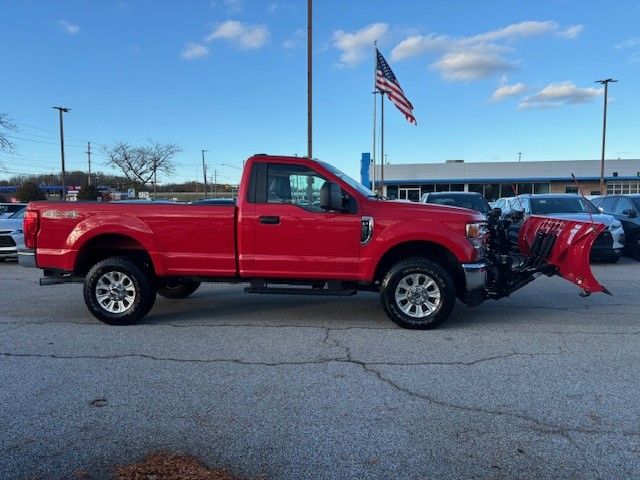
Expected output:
(140, 164)
(6, 144)
(6, 125)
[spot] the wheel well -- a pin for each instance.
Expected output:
(433, 251)
(110, 245)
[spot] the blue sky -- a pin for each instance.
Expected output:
(487, 79)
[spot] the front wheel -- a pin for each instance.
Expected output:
(178, 288)
(118, 292)
(418, 293)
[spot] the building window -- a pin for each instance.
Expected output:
(477, 187)
(457, 187)
(623, 187)
(507, 190)
(442, 187)
(570, 189)
(491, 191)
(392, 192)
(540, 188)
(427, 189)
(615, 174)
(524, 188)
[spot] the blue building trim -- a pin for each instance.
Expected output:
(503, 180)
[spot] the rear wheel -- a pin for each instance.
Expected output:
(178, 288)
(118, 292)
(418, 293)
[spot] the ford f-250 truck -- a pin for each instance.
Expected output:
(299, 226)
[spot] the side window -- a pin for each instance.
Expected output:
(623, 206)
(608, 204)
(294, 184)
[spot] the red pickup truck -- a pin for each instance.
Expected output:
(299, 226)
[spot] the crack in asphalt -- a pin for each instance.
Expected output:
(370, 368)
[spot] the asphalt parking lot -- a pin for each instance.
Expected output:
(544, 384)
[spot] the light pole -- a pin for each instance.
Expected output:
(204, 173)
(62, 110)
(606, 83)
(519, 157)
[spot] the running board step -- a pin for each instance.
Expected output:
(344, 292)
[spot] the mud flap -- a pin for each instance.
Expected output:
(564, 244)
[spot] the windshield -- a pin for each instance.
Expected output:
(10, 208)
(19, 214)
(348, 180)
(544, 206)
(472, 202)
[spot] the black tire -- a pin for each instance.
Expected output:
(133, 277)
(635, 247)
(422, 267)
(613, 259)
(178, 288)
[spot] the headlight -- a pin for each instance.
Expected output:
(478, 233)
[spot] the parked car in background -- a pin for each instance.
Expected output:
(8, 209)
(215, 201)
(609, 245)
(11, 236)
(624, 208)
(469, 200)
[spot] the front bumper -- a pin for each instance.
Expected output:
(475, 275)
(27, 257)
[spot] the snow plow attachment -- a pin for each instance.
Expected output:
(564, 245)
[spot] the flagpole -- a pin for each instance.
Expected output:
(381, 143)
(375, 91)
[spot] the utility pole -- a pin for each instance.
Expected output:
(62, 110)
(519, 157)
(309, 78)
(204, 172)
(89, 161)
(606, 83)
(155, 181)
(215, 182)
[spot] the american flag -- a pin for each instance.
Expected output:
(387, 83)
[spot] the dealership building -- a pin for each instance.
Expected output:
(408, 181)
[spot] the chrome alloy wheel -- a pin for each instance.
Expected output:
(417, 295)
(115, 292)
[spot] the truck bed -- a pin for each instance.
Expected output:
(181, 239)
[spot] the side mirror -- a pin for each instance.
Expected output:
(630, 213)
(331, 197)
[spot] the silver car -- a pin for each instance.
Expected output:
(11, 235)
(608, 246)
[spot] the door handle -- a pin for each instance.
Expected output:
(267, 220)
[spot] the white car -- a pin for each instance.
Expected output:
(11, 235)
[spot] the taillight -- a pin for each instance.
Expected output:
(30, 228)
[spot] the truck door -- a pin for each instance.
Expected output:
(294, 237)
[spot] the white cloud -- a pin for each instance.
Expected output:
(68, 27)
(629, 43)
(560, 93)
(522, 29)
(234, 6)
(193, 51)
(354, 45)
(295, 41)
(244, 36)
(506, 91)
(471, 65)
(571, 32)
(417, 44)
(477, 56)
